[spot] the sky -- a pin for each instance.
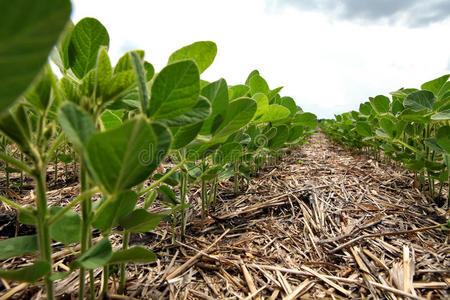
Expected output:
(330, 55)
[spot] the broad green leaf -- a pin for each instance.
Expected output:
(435, 85)
(118, 84)
(135, 254)
(365, 109)
(295, 132)
(238, 91)
(262, 104)
(420, 100)
(252, 73)
(125, 156)
(198, 113)
(167, 195)
(18, 246)
(88, 36)
(229, 152)
(380, 104)
(27, 274)
(274, 93)
(111, 210)
(104, 71)
(217, 93)
(110, 120)
(258, 84)
(125, 62)
(77, 124)
(95, 257)
(280, 138)
(441, 116)
(182, 136)
(175, 90)
(67, 229)
(289, 103)
(140, 220)
(364, 129)
(239, 113)
(202, 53)
(443, 138)
(306, 119)
(410, 115)
(389, 127)
(60, 55)
(28, 31)
(275, 112)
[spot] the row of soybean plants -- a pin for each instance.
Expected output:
(411, 127)
(123, 122)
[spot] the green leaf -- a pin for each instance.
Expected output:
(365, 109)
(380, 104)
(110, 120)
(306, 119)
(280, 138)
(289, 103)
(275, 112)
(140, 220)
(202, 53)
(229, 152)
(435, 85)
(443, 138)
(364, 129)
(167, 195)
(141, 80)
(28, 31)
(104, 71)
(40, 93)
(175, 90)
(18, 246)
(295, 132)
(67, 229)
(258, 84)
(119, 83)
(27, 274)
(135, 255)
(110, 211)
(88, 36)
(95, 257)
(238, 91)
(239, 113)
(15, 126)
(77, 124)
(125, 62)
(420, 100)
(217, 94)
(262, 104)
(441, 116)
(182, 136)
(198, 113)
(125, 156)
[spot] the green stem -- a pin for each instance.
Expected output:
(161, 180)
(43, 228)
(123, 274)
(104, 291)
(183, 194)
(86, 206)
(236, 178)
(204, 199)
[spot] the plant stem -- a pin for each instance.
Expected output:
(183, 194)
(160, 180)
(85, 225)
(104, 291)
(236, 178)
(16, 163)
(123, 277)
(204, 198)
(43, 228)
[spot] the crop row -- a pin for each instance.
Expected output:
(411, 128)
(122, 122)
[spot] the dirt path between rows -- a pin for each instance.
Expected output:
(323, 223)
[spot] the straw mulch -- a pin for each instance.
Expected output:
(323, 224)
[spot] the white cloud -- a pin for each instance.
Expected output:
(328, 65)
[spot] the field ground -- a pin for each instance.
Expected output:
(322, 223)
